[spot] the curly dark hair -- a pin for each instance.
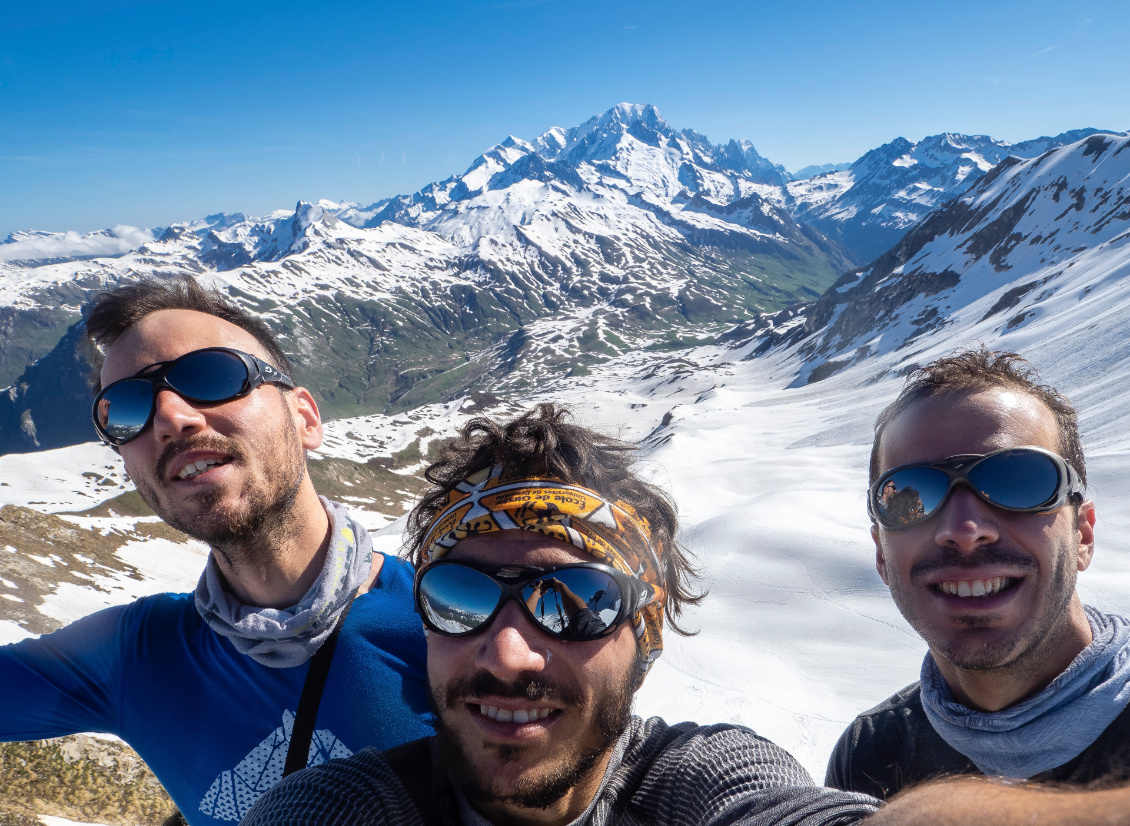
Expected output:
(979, 368)
(542, 442)
(112, 312)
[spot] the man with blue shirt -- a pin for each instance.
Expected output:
(293, 606)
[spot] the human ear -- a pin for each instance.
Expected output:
(880, 560)
(1085, 525)
(306, 417)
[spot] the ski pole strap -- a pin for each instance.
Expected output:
(303, 730)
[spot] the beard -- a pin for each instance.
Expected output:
(1023, 647)
(612, 714)
(246, 532)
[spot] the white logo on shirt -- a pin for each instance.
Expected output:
(234, 792)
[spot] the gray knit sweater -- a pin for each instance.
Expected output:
(681, 775)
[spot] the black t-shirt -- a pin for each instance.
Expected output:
(893, 746)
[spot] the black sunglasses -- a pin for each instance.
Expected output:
(1018, 479)
(577, 602)
(125, 408)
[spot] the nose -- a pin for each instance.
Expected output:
(511, 645)
(966, 521)
(174, 417)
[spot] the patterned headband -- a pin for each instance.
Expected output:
(612, 532)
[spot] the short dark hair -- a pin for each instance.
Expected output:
(542, 442)
(979, 368)
(112, 312)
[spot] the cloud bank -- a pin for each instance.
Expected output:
(21, 246)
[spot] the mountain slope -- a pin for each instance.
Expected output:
(1036, 242)
(871, 204)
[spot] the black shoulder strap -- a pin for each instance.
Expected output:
(303, 732)
(412, 763)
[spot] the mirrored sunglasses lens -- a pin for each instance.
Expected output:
(908, 495)
(210, 376)
(457, 600)
(124, 409)
(1017, 479)
(574, 603)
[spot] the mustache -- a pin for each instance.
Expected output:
(987, 555)
(525, 687)
(203, 441)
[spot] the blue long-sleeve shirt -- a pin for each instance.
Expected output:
(211, 723)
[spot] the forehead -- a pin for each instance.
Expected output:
(980, 421)
(167, 334)
(515, 547)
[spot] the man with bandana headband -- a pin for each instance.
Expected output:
(546, 570)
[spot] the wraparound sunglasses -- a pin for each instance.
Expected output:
(1018, 479)
(213, 375)
(583, 601)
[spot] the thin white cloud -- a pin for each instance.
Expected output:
(1045, 50)
(117, 241)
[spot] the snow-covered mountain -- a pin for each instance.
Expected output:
(869, 205)
(812, 170)
(543, 257)
(1037, 251)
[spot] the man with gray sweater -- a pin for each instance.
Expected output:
(981, 527)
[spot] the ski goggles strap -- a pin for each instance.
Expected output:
(611, 532)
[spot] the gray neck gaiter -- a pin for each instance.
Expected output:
(1051, 728)
(286, 637)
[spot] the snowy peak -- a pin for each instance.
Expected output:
(228, 245)
(623, 179)
(813, 170)
(543, 257)
(598, 137)
(1030, 235)
(891, 188)
(498, 158)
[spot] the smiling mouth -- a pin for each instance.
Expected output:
(976, 587)
(521, 715)
(194, 469)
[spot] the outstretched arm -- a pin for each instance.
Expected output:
(972, 801)
(67, 681)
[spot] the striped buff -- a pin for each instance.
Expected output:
(612, 532)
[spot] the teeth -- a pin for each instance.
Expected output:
(195, 468)
(974, 587)
(522, 715)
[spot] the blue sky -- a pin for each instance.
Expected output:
(144, 112)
